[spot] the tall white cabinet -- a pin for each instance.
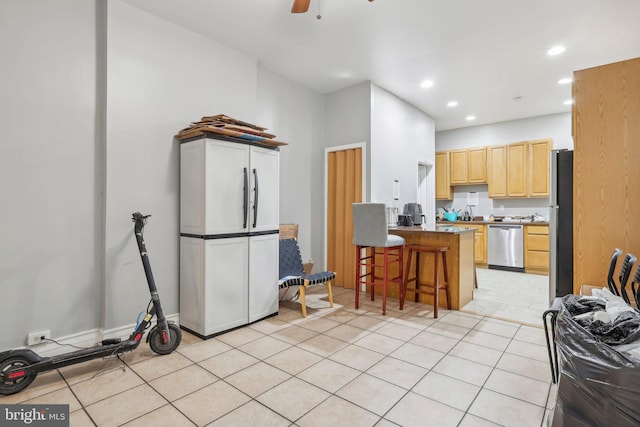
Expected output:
(229, 197)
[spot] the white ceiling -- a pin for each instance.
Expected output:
(481, 53)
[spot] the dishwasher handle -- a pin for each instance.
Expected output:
(506, 227)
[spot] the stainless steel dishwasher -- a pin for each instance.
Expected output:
(506, 247)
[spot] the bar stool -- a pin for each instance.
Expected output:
(370, 232)
(432, 289)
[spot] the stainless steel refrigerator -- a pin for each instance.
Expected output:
(561, 224)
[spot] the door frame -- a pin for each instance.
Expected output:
(363, 147)
(428, 189)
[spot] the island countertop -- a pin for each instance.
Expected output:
(460, 260)
(438, 228)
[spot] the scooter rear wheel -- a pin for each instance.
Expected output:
(156, 343)
(11, 386)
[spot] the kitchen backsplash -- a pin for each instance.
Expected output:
(487, 206)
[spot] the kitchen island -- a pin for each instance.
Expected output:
(460, 260)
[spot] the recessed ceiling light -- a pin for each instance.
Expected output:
(426, 84)
(568, 102)
(556, 50)
(469, 118)
(452, 104)
(565, 81)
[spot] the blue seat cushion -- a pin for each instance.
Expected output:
(291, 268)
(314, 279)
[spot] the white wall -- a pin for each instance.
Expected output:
(88, 107)
(295, 115)
(348, 121)
(555, 126)
(396, 136)
(400, 136)
(49, 174)
(160, 78)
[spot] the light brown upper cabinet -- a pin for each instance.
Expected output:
(477, 164)
(458, 171)
(517, 170)
(468, 166)
(497, 171)
(538, 174)
(443, 186)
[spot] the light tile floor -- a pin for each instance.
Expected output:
(337, 367)
(508, 295)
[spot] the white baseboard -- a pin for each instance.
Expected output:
(87, 338)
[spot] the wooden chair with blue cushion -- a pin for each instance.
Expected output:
(292, 273)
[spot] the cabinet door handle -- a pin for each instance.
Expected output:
(245, 199)
(255, 202)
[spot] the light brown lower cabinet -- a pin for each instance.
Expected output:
(536, 249)
(480, 243)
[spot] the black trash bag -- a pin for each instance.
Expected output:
(624, 330)
(598, 385)
(577, 304)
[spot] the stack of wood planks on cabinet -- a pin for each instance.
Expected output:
(228, 126)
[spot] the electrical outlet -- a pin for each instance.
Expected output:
(38, 337)
(502, 208)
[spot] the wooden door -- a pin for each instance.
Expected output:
(344, 187)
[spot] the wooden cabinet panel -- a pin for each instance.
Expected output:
(536, 249)
(477, 165)
(458, 171)
(537, 262)
(443, 186)
(538, 229)
(538, 168)
(497, 171)
(468, 166)
(538, 242)
(480, 243)
(517, 170)
(606, 134)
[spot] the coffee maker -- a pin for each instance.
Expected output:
(415, 211)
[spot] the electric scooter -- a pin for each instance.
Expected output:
(19, 367)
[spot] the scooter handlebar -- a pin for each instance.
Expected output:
(140, 220)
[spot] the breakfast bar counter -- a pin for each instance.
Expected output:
(460, 260)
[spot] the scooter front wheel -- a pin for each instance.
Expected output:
(14, 385)
(156, 342)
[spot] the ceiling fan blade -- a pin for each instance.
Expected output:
(300, 6)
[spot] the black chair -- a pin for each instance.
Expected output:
(292, 273)
(556, 304)
(623, 277)
(636, 282)
(612, 266)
